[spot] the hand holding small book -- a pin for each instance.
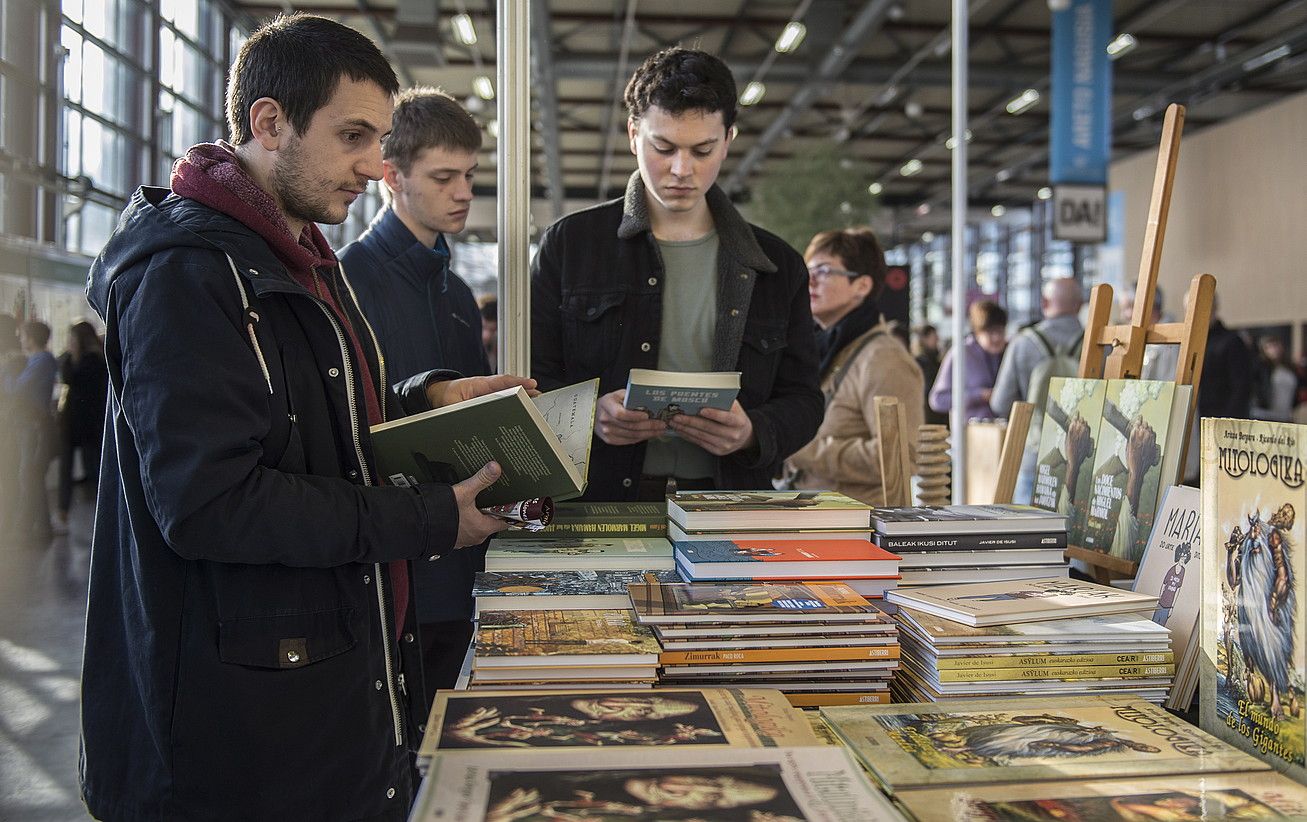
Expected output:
(618, 425)
(715, 431)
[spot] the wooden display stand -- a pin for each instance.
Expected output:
(1125, 343)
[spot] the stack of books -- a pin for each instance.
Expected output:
(953, 544)
(819, 643)
(605, 520)
(1021, 639)
(778, 536)
(559, 649)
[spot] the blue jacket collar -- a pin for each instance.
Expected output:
(395, 241)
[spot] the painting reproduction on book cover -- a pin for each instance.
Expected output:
(1253, 659)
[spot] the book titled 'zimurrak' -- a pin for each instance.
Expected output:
(541, 443)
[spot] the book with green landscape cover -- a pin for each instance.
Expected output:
(541, 443)
(1137, 456)
(1065, 467)
(983, 741)
(760, 510)
(559, 590)
(600, 519)
(579, 553)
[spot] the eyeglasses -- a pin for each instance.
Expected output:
(823, 272)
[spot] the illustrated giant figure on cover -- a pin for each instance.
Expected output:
(1259, 572)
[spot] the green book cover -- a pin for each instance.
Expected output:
(541, 443)
(1064, 472)
(1137, 456)
(601, 519)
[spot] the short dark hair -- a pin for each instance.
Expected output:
(490, 309)
(427, 117)
(986, 314)
(858, 248)
(678, 80)
(38, 332)
(298, 60)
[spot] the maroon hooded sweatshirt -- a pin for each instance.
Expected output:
(210, 174)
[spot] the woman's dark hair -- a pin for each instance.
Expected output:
(298, 60)
(986, 314)
(677, 80)
(858, 248)
(83, 339)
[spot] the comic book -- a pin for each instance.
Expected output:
(1252, 662)
(981, 741)
(579, 719)
(575, 553)
(1195, 798)
(819, 783)
(1065, 467)
(559, 638)
(557, 590)
(750, 602)
(760, 510)
(1117, 629)
(995, 603)
(1137, 456)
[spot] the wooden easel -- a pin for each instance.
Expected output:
(1125, 343)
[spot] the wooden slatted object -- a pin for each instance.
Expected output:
(895, 464)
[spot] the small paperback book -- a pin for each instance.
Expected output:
(558, 590)
(988, 741)
(601, 519)
(664, 394)
(658, 603)
(1181, 798)
(578, 553)
(1172, 571)
(756, 510)
(1032, 600)
(813, 784)
(1253, 669)
(1137, 456)
(1065, 469)
(561, 638)
(693, 717)
(997, 518)
(541, 443)
(765, 559)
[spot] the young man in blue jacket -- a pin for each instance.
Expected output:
(250, 651)
(425, 315)
(670, 276)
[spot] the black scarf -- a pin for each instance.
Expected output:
(830, 341)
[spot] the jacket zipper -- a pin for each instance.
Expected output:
(367, 480)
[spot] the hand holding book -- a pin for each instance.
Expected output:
(617, 425)
(715, 431)
(448, 392)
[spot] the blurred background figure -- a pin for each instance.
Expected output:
(12, 363)
(1277, 384)
(1159, 360)
(861, 359)
(925, 349)
(983, 349)
(81, 414)
(31, 391)
(490, 330)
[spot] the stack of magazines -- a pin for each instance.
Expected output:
(1039, 637)
(953, 544)
(819, 643)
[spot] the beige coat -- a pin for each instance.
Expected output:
(845, 454)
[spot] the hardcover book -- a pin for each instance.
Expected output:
(1034, 600)
(714, 717)
(579, 553)
(740, 602)
(975, 742)
(557, 590)
(1065, 467)
(813, 784)
(719, 656)
(936, 576)
(991, 662)
(983, 559)
(1063, 672)
(1171, 569)
(541, 443)
(1183, 798)
(965, 519)
(763, 559)
(1118, 629)
(664, 394)
(560, 638)
(678, 534)
(940, 543)
(605, 520)
(1137, 456)
(735, 510)
(1253, 612)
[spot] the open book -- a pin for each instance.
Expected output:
(541, 443)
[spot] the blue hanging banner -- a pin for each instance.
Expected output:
(1081, 121)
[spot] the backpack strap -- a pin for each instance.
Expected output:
(837, 377)
(1048, 346)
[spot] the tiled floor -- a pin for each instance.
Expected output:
(42, 616)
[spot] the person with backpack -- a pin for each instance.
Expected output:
(1049, 348)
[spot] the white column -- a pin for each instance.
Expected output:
(959, 246)
(513, 173)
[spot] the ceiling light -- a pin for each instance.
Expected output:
(484, 88)
(911, 167)
(464, 31)
(752, 93)
(914, 109)
(923, 209)
(492, 128)
(791, 37)
(950, 143)
(1023, 101)
(887, 96)
(875, 189)
(1044, 193)
(1121, 45)
(998, 211)
(928, 237)
(1003, 175)
(1143, 113)
(1269, 57)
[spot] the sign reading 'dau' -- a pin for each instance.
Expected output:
(1080, 213)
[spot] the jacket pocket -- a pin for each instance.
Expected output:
(592, 331)
(286, 640)
(760, 357)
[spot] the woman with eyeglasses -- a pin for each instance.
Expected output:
(860, 360)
